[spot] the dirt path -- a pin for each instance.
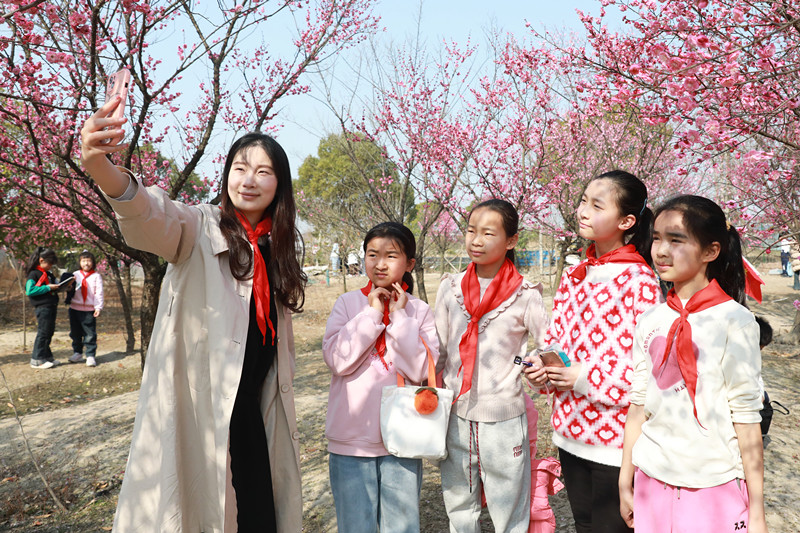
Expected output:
(84, 444)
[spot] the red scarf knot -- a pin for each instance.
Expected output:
(43, 278)
(681, 333)
(380, 343)
(503, 285)
(84, 285)
(623, 254)
(260, 279)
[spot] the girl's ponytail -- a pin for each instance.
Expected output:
(729, 270)
(642, 233)
(632, 200)
(408, 279)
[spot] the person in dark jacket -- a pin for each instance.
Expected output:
(41, 287)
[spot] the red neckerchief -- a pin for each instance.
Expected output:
(260, 279)
(623, 254)
(84, 285)
(380, 344)
(681, 332)
(505, 282)
(43, 279)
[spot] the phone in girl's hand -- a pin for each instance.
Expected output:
(118, 84)
(553, 358)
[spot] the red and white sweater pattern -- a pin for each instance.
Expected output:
(593, 322)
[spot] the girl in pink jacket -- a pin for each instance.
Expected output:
(372, 334)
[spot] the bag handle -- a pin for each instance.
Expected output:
(779, 407)
(431, 369)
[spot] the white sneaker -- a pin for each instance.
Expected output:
(35, 363)
(76, 357)
(90, 361)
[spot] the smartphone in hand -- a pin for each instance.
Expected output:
(552, 358)
(118, 84)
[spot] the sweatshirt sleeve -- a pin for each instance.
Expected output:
(404, 344)
(640, 373)
(536, 320)
(348, 341)
(556, 329)
(442, 322)
(32, 290)
(741, 369)
(98, 292)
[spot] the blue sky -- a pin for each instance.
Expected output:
(305, 120)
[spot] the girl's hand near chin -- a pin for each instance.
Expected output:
(399, 298)
(377, 297)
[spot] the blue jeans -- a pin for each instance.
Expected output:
(83, 331)
(373, 491)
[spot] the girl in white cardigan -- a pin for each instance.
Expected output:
(484, 317)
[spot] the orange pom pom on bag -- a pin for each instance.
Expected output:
(414, 419)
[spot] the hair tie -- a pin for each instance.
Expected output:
(643, 207)
(728, 225)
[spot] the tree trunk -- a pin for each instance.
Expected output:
(125, 301)
(343, 272)
(794, 333)
(562, 258)
(153, 276)
(422, 294)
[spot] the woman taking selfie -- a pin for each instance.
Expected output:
(215, 441)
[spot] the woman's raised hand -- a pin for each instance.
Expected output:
(100, 136)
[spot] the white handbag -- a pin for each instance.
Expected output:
(406, 432)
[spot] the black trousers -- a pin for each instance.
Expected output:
(593, 492)
(83, 331)
(46, 326)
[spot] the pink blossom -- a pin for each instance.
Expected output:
(686, 103)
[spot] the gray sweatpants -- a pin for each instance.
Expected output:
(501, 452)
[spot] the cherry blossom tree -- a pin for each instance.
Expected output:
(725, 74)
(56, 56)
(411, 110)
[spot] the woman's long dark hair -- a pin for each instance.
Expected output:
(632, 200)
(705, 221)
(402, 237)
(41, 252)
(288, 279)
(507, 213)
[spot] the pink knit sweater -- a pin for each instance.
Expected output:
(593, 322)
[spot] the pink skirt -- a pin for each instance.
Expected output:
(662, 508)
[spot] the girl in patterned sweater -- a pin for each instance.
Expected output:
(484, 317)
(693, 432)
(594, 313)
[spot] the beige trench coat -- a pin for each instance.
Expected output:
(178, 474)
